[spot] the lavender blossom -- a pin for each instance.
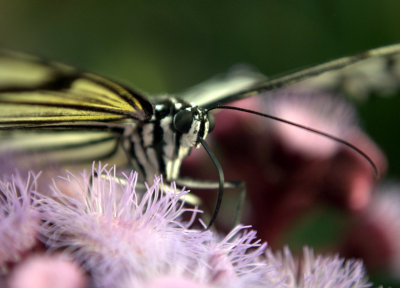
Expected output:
(317, 271)
(107, 227)
(234, 261)
(128, 239)
(19, 221)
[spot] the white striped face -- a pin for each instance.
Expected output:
(160, 145)
(193, 123)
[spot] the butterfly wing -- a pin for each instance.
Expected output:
(76, 116)
(46, 146)
(217, 88)
(374, 71)
(36, 93)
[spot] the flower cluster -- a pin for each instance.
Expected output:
(101, 229)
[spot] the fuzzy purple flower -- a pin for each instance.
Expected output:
(127, 239)
(19, 223)
(109, 228)
(234, 261)
(317, 271)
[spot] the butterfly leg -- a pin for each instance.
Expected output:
(239, 186)
(188, 198)
(200, 184)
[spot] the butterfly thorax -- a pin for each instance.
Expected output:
(158, 146)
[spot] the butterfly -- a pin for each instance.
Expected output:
(78, 116)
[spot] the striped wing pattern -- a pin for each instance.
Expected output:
(35, 93)
(373, 71)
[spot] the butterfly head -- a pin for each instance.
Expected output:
(193, 123)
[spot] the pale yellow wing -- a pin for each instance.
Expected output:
(36, 93)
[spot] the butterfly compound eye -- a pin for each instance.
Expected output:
(211, 121)
(183, 121)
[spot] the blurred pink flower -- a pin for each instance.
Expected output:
(48, 271)
(322, 112)
(374, 234)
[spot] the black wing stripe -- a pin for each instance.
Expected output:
(135, 160)
(57, 82)
(126, 94)
(158, 144)
(61, 126)
(79, 108)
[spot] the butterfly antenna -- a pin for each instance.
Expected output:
(334, 138)
(221, 182)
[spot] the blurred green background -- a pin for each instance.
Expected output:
(167, 46)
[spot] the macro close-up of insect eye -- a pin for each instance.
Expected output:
(255, 167)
